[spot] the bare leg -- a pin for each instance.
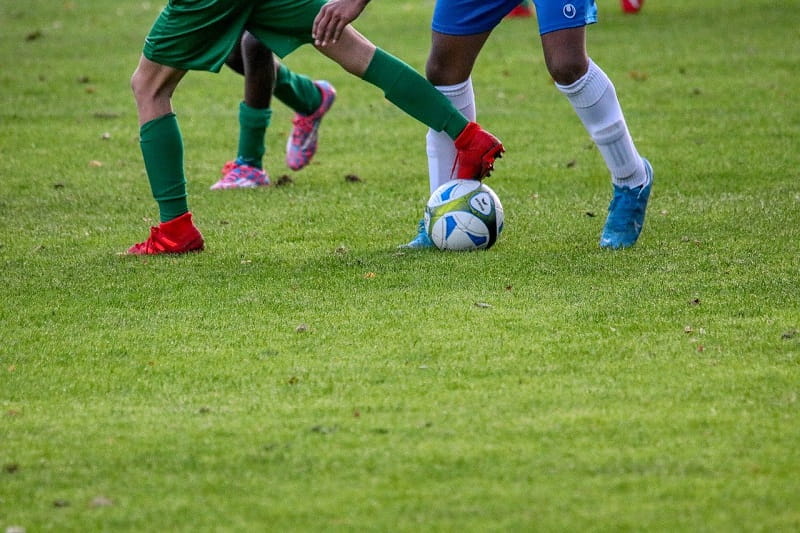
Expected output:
(352, 51)
(257, 63)
(153, 85)
(565, 54)
(259, 72)
(452, 57)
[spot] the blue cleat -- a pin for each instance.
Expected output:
(626, 213)
(421, 240)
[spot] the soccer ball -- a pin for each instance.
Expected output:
(463, 215)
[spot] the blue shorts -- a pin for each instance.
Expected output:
(468, 17)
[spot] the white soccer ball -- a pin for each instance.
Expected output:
(463, 215)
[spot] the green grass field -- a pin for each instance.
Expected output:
(302, 374)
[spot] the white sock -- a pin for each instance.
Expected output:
(595, 101)
(440, 147)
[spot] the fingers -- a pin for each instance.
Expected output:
(328, 26)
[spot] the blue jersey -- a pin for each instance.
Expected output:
(467, 17)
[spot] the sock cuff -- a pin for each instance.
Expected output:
(459, 89)
(252, 117)
(159, 122)
(589, 88)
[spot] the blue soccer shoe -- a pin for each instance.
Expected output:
(626, 213)
(421, 240)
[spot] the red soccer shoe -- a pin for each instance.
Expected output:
(631, 6)
(178, 236)
(477, 150)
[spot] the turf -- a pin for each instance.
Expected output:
(303, 374)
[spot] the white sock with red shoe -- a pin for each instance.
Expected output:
(440, 147)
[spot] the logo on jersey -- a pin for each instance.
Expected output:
(570, 11)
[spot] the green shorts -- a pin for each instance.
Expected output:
(199, 34)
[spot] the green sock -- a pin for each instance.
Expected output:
(298, 92)
(412, 93)
(253, 125)
(162, 148)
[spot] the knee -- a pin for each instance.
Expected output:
(441, 71)
(138, 85)
(148, 86)
(435, 70)
(253, 49)
(567, 70)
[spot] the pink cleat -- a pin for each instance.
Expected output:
(302, 143)
(236, 176)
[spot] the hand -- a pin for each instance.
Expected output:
(332, 19)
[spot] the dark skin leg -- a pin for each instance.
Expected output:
(258, 70)
(452, 57)
(565, 54)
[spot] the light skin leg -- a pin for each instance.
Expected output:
(153, 85)
(351, 50)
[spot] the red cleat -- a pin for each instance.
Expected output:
(631, 6)
(477, 150)
(178, 236)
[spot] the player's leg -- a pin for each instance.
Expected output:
(595, 101)
(459, 31)
(162, 149)
(401, 84)
(406, 89)
(185, 36)
(475, 148)
(448, 68)
(460, 28)
(255, 62)
(310, 100)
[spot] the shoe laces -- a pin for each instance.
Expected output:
(303, 125)
(156, 242)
